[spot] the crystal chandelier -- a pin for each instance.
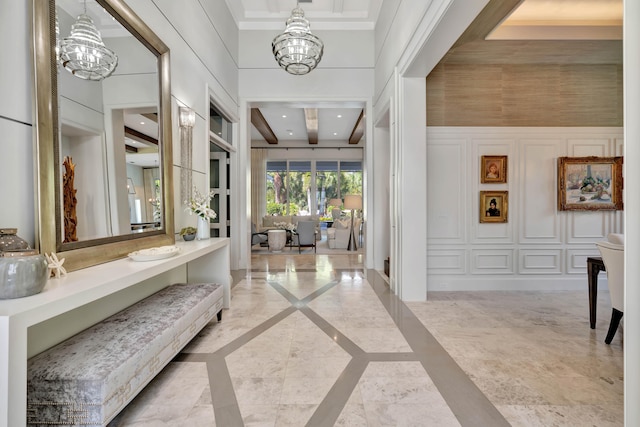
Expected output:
(84, 54)
(297, 50)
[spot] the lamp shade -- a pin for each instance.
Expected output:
(353, 201)
(335, 202)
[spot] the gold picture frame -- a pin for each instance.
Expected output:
(493, 169)
(494, 206)
(589, 183)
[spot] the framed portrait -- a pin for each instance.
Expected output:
(493, 169)
(494, 206)
(589, 183)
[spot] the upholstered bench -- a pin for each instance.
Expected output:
(89, 378)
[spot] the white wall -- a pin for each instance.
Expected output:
(632, 206)
(539, 247)
(380, 231)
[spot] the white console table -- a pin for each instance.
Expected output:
(205, 261)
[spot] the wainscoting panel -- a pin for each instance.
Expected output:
(539, 247)
(447, 261)
(540, 261)
(539, 222)
(492, 261)
(577, 260)
(447, 188)
(587, 227)
(589, 147)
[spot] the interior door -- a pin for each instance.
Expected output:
(218, 183)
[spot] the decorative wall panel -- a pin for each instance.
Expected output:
(447, 261)
(492, 261)
(539, 221)
(446, 188)
(587, 227)
(540, 261)
(577, 260)
(550, 248)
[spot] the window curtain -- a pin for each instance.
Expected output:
(258, 185)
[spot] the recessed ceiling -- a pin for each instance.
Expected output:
(323, 14)
(562, 20)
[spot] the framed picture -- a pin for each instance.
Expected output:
(494, 206)
(493, 169)
(589, 183)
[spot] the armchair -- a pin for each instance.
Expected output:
(257, 238)
(306, 234)
(613, 258)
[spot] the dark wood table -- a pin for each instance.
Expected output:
(594, 266)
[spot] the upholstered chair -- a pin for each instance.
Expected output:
(613, 258)
(306, 233)
(257, 238)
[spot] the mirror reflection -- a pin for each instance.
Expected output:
(108, 131)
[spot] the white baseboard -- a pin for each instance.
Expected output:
(443, 283)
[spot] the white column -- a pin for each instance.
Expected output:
(631, 317)
(411, 184)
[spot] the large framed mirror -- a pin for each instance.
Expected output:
(104, 152)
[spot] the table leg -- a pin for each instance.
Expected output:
(592, 273)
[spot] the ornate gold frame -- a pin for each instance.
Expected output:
(46, 134)
(502, 204)
(501, 164)
(589, 200)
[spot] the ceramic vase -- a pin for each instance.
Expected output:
(23, 271)
(203, 232)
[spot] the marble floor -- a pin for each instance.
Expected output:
(317, 341)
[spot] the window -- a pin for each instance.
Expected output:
(326, 185)
(350, 178)
(299, 188)
(292, 191)
(219, 125)
(276, 189)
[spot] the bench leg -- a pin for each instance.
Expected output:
(220, 316)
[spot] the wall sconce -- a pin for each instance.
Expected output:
(187, 119)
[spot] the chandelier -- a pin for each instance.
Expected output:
(84, 54)
(296, 49)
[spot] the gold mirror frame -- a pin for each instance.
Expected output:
(46, 139)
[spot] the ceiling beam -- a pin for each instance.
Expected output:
(151, 116)
(311, 119)
(139, 136)
(358, 129)
(258, 120)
